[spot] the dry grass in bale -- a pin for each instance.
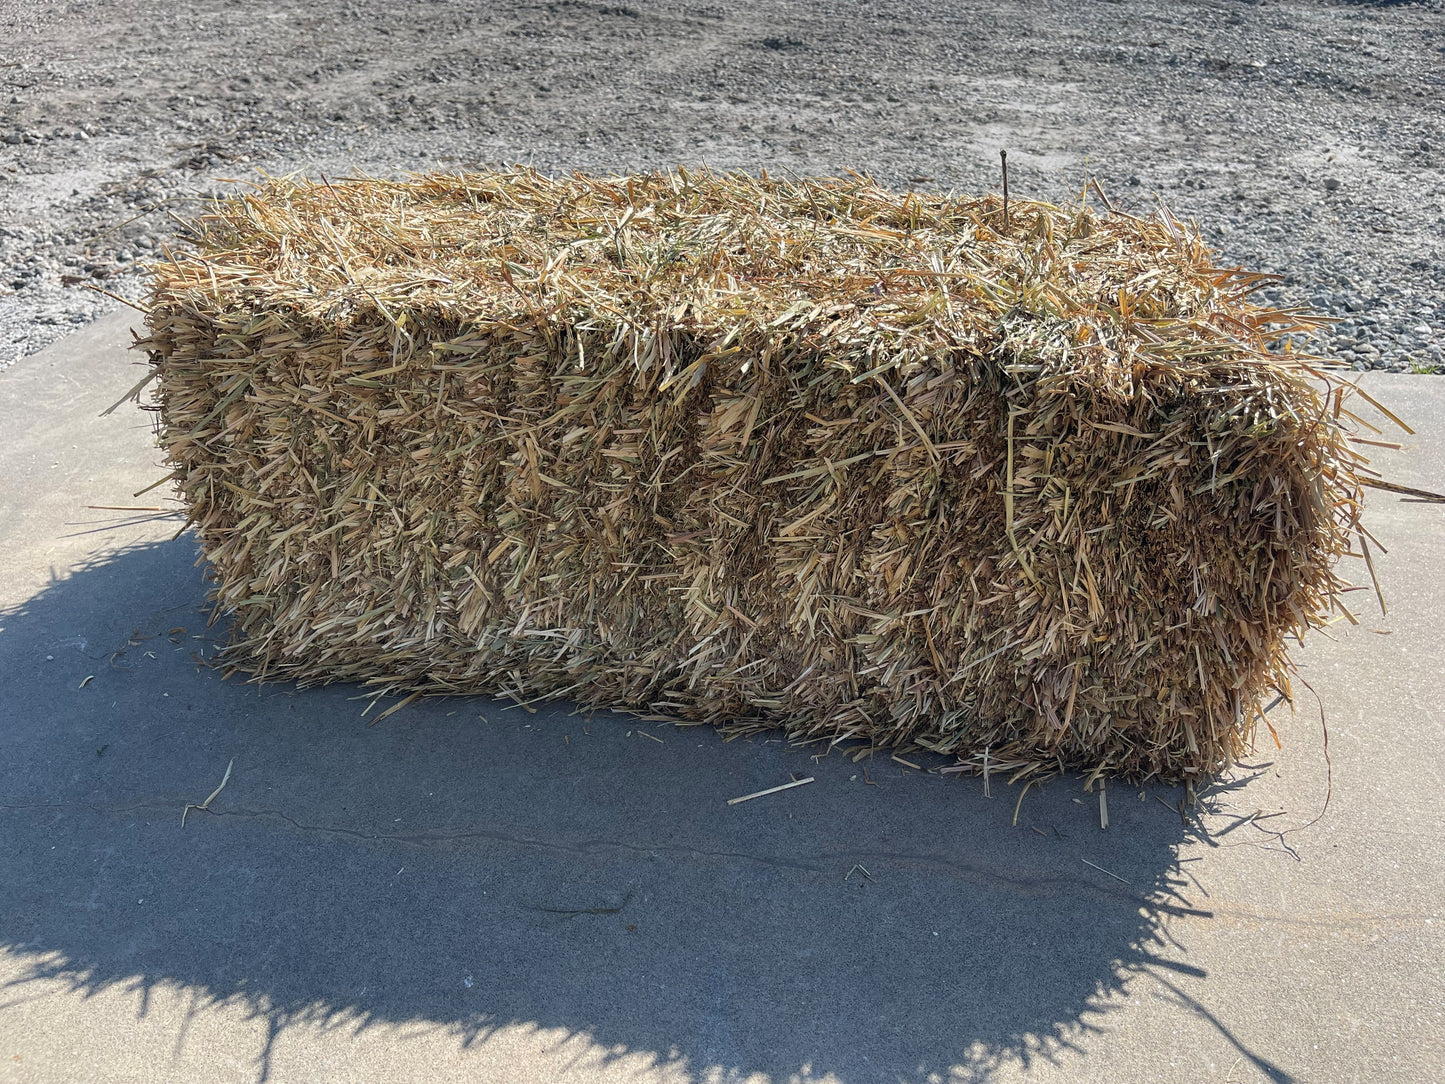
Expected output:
(871, 467)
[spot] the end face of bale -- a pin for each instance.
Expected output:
(866, 466)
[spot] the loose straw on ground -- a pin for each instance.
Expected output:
(770, 790)
(206, 805)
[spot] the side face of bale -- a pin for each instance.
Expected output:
(816, 455)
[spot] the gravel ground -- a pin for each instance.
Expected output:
(1306, 138)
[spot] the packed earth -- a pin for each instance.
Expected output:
(1306, 138)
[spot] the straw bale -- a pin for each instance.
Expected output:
(868, 466)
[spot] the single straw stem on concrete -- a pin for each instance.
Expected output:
(1102, 870)
(1020, 802)
(206, 805)
(770, 790)
(389, 712)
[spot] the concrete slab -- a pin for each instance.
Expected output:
(467, 892)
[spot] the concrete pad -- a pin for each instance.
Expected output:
(473, 892)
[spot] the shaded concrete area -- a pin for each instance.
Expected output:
(471, 891)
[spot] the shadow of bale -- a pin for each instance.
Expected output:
(470, 867)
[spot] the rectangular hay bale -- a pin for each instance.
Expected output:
(813, 454)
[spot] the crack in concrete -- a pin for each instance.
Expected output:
(822, 863)
(432, 837)
(104, 811)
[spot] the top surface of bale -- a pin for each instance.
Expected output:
(897, 467)
(848, 264)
